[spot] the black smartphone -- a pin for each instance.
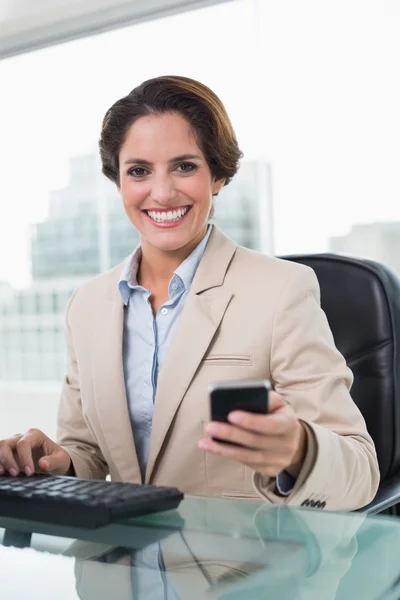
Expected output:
(248, 395)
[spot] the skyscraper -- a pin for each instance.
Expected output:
(377, 241)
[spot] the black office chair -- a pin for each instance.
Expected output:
(361, 299)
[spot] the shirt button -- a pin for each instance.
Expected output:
(174, 286)
(164, 311)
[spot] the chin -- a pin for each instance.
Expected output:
(169, 241)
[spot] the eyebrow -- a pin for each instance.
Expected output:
(141, 161)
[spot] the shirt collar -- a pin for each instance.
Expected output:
(128, 278)
(185, 271)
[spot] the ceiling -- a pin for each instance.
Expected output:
(26, 25)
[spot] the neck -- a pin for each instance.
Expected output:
(158, 266)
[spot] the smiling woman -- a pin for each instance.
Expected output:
(146, 339)
(169, 146)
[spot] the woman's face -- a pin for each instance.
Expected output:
(165, 182)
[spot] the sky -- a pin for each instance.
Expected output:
(311, 87)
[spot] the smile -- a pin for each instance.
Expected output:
(169, 216)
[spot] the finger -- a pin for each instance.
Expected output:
(44, 464)
(50, 463)
(237, 453)
(7, 458)
(257, 460)
(262, 424)
(275, 401)
(8, 461)
(237, 435)
(11, 441)
(34, 438)
(56, 463)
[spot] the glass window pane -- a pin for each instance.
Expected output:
(331, 125)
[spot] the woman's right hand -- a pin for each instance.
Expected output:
(33, 452)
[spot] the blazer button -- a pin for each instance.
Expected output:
(313, 503)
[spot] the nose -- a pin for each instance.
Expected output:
(163, 191)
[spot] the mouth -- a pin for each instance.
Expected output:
(168, 217)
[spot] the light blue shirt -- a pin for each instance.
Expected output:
(147, 339)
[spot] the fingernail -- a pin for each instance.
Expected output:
(212, 428)
(235, 417)
(204, 445)
(13, 472)
(28, 471)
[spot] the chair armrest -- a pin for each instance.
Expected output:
(387, 495)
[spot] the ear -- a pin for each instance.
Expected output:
(217, 186)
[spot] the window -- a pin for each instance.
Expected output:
(311, 88)
(331, 124)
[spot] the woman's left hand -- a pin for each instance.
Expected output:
(270, 443)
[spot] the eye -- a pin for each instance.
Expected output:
(137, 172)
(186, 167)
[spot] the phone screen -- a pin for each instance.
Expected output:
(228, 397)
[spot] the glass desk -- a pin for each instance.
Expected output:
(209, 548)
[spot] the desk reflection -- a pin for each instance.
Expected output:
(276, 552)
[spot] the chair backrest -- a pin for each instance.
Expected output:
(361, 299)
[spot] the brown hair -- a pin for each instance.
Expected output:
(194, 101)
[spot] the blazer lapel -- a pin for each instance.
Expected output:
(109, 384)
(204, 309)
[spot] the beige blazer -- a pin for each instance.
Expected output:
(247, 316)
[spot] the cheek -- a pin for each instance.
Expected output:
(132, 196)
(200, 192)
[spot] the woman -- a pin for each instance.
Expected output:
(188, 308)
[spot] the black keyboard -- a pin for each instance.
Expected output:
(80, 502)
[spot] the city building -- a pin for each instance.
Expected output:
(377, 241)
(32, 330)
(86, 232)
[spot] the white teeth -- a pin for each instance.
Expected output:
(171, 215)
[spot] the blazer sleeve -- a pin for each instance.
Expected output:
(73, 433)
(340, 470)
